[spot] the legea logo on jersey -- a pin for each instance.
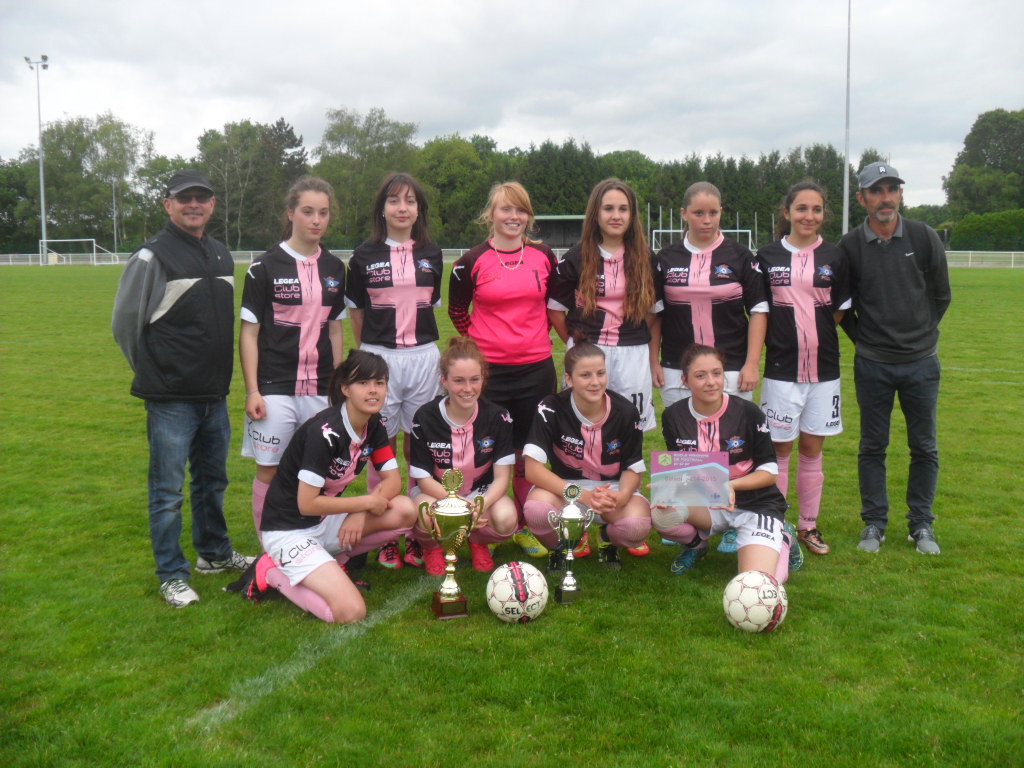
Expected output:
(378, 272)
(683, 443)
(572, 446)
(779, 275)
(440, 451)
(677, 276)
(287, 288)
(338, 467)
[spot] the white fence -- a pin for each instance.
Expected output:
(1007, 259)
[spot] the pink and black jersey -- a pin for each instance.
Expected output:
(438, 444)
(705, 297)
(397, 285)
(509, 320)
(806, 286)
(579, 450)
(607, 325)
(327, 453)
(739, 428)
(292, 297)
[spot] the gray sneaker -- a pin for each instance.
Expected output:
(925, 538)
(234, 562)
(870, 539)
(178, 593)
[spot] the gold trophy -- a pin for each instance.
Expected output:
(450, 521)
(570, 524)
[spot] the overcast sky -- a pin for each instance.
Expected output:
(665, 78)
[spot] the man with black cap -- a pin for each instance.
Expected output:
(900, 287)
(174, 321)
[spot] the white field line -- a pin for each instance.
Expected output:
(306, 657)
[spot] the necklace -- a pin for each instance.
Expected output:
(522, 252)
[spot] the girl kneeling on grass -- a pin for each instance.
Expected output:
(710, 420)
(592, 437)
(309, 530)
(460, 430)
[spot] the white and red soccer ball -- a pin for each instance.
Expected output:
(517, 592)
(755, 602)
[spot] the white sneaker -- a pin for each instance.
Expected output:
(178, 593)
(234, 562)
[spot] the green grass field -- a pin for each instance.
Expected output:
(889, 660)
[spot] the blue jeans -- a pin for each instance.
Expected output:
(917, 386)
(199, 433)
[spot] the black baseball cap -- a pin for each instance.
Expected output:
(187, 178)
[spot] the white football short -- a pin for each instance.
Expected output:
(673, 390)
(266, 439)
(794, 407)
(299, 553)
(414, 379)
(629, 374)
(751, 527)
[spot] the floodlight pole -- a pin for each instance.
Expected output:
(42, 63)
(846, 150)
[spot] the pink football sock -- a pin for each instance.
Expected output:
(488, 535)
(782, 568)
(809, 480)
(304, 597)
(783, 479)
(629, 531)
(520, 486)
(259, 497)
(374, 540)
(536, 514)
(685, 534)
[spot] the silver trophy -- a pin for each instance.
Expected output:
(571, 525)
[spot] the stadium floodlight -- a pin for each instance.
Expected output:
(36, 66)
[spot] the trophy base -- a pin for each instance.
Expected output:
(449, 608)
(565, 596)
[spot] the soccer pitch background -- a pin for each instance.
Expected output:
(884, 660)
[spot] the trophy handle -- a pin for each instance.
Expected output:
(478, 505)
(425, 518)
(554, 518)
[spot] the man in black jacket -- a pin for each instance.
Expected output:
(174, 321)
(900, 287)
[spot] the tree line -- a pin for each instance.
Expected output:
(104, 180)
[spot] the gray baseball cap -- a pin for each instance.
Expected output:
(874, 172)
(187, 178)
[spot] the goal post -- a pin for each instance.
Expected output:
(74, 250)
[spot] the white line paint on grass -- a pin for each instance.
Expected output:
(306, 657)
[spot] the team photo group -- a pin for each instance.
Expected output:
(694, 321)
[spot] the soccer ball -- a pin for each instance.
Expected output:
(517, 592)
(755, 602)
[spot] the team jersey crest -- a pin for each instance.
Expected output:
(723, 271)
